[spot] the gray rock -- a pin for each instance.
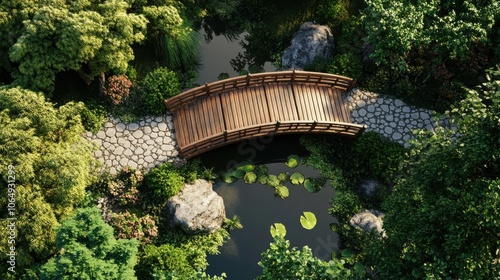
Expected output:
(110, 132)
(120, 127)
(369, 220)
(133, 126)
(368, 187)
(197, 208)
(311, 41)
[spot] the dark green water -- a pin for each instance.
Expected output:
(258, 208)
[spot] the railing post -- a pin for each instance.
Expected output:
(207, 89)
(225, 136)
(314, 125)
(248, 79)
(278, 123)
(293, 76)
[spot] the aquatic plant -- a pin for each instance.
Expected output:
(292, 161)
(297, 178)
(282, 192)
(308, 220)
(278, 230)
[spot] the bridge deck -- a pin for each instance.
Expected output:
(205, 119)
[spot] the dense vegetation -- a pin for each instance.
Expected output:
(440, 197)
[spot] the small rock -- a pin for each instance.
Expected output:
(369, 220)
(110, 132)
(138, 134)
(128, 152)
(162, 126)
(120, 127)
(124, 162)
(147, 129)
(133, 126)
(101, 134)
(118, 151)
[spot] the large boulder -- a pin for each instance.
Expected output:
(197, 208)
(311, 41)
(369, 220)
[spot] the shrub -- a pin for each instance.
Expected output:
(118, 88)
(159, 85)
(165, 180)
(382, 155)
(347, 64)
(123, 190)
(128, 226)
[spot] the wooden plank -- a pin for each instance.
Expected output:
(329, 104)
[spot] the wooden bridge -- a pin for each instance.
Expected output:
(255, 105)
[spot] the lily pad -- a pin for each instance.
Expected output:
(272, 181)
(245, 166)
(283, 177)
(297, 178)
(278, 230)
(263, 179)
(308, 220)
(239, 174)
(250, 178)
(228, 179)
(282, 192)
(309, 185)
(314, 185)
(292, 161)
(261, 170)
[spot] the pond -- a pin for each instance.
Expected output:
(258, 208)
(216, 56)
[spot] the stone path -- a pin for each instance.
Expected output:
(142, 144)
(390, 117)
(151, 141)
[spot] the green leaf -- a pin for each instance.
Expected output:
(261, 170)
(278, 230)
(292, 161)
(273, 181)
(239, 174)
(309, 185)
(297, 178)
(228, 179)
(250, 178)
(283, 177)
(347, 253)
(245, 166)
(308, 220)
(282, 192)
(263, 179)
(360, 269)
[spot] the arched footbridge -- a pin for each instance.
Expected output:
(245, 107)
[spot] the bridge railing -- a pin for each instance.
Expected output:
(321, 79)
(237, 135)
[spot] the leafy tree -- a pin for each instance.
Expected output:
(87, 249)
(443, 218)
(53, 165)
(450, 28)
(44, 38)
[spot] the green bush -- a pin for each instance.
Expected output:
(346, 64)
(93, 115)
(165, 180)
(159, 85)
(381, 155)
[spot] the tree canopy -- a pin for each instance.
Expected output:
(448, 28)
(39, 39)
(53, 165)
(443, 218)
(87, 249)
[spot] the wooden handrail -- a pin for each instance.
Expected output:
(290, 127)
(317, 78)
